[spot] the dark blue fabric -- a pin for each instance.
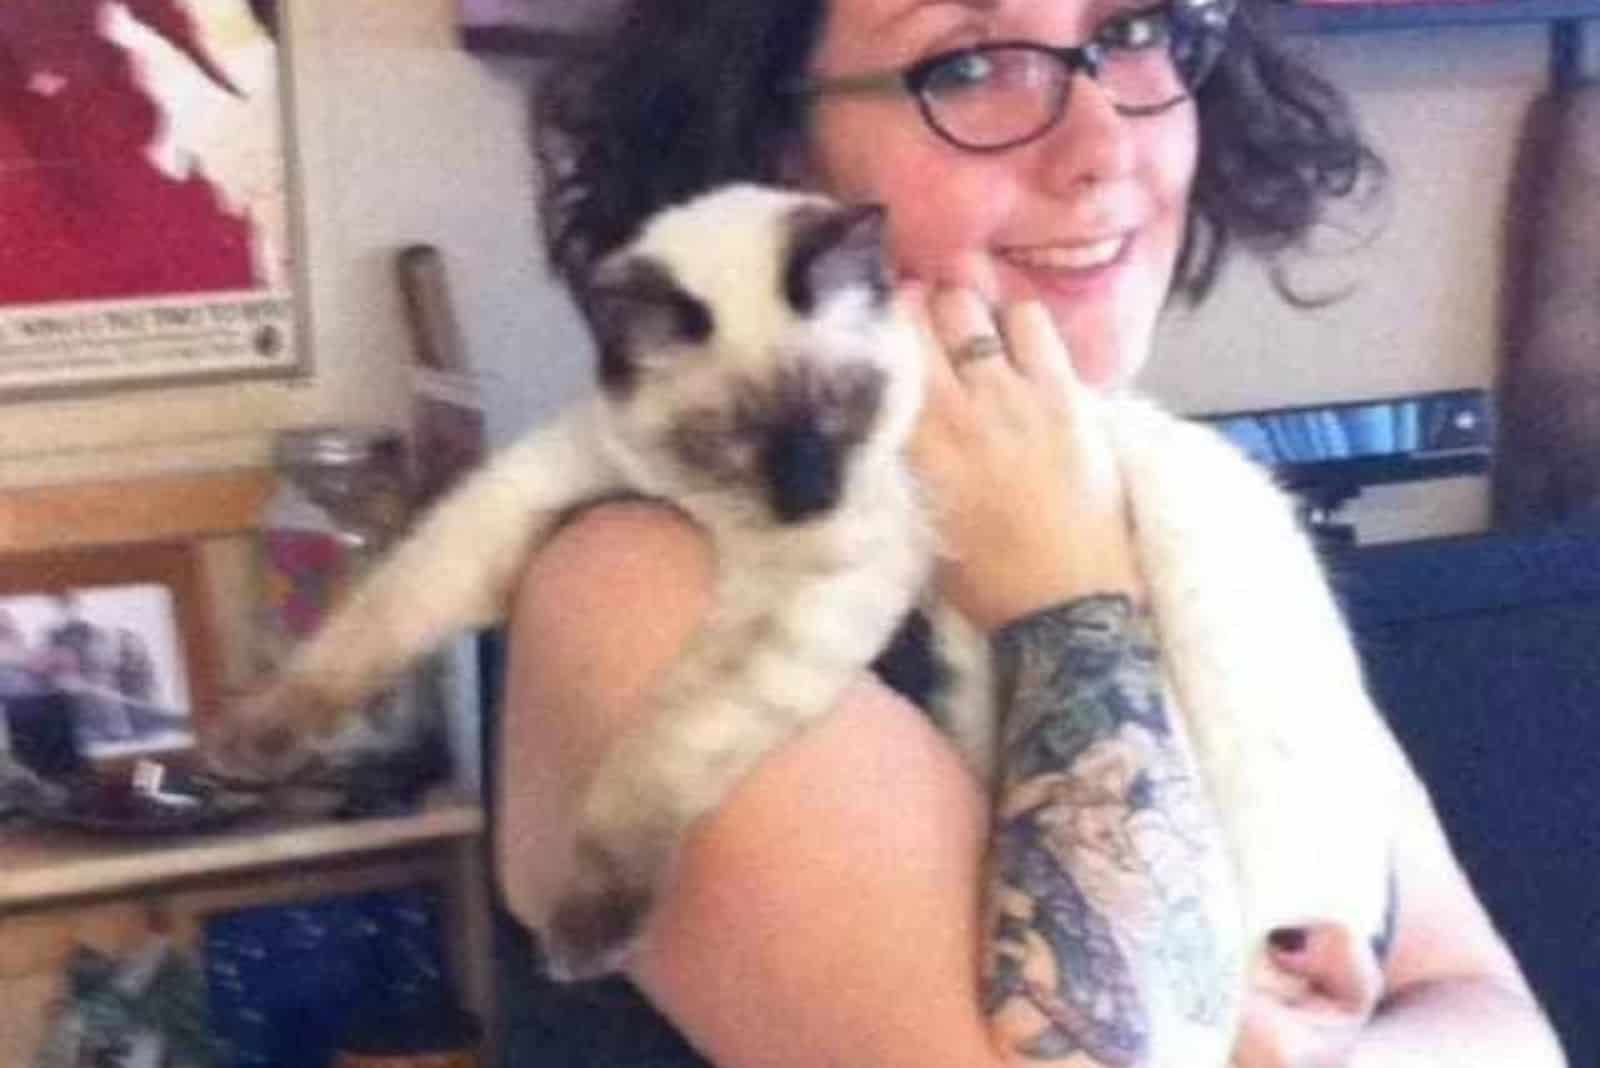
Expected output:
(1485, 655)
(286, 982)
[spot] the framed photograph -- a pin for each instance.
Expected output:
(146, 196)
(117, 638)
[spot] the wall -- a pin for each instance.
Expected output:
(403, 138)
(1444, 108)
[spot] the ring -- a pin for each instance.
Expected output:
(975, 348)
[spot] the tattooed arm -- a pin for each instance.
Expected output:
(1110, 919)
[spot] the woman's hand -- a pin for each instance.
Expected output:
(1030, 504)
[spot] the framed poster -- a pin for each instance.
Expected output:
(145, 195)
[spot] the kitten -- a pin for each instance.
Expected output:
(754, 373)
(766, 391)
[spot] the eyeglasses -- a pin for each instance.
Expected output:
(1002, 94)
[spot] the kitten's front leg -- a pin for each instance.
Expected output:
(454, 572)
(742, 688)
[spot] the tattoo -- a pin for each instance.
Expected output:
(1383, 940)
(1099, 840)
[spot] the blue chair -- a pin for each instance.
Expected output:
(1484, 653)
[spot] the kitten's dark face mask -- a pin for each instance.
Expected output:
(778, 417)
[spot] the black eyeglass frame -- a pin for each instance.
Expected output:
(1208, 22)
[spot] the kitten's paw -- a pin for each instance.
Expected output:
(590, 937)
(260, 738)
(596, 922)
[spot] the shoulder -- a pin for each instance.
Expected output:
(600, 610)
(608, 556)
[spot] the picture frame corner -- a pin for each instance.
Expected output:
(179, 642)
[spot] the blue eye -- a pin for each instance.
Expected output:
(961, 70)
(1136, 31)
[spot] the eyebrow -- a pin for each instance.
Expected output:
(987, 7)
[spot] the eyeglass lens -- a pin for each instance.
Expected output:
(1003, 95)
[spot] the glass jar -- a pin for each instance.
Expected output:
(340, 503)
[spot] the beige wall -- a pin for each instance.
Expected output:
(1444, 108)
(404, 138)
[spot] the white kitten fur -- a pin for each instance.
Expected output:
(1263, 674)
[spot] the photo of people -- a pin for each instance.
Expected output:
(114, 652)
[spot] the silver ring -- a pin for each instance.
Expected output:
(975, 348)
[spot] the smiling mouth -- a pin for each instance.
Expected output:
(1084, 257)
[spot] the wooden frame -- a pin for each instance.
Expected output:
(179, 647)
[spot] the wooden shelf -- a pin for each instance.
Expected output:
(153, 509)
(40, 866)
(1361, 18)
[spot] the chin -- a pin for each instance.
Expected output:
(1105, 374)
(1107, 354)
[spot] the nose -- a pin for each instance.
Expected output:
(803, 469)
(1093, 143)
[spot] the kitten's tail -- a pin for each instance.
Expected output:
(455, 571)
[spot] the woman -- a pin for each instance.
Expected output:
(1068, 164)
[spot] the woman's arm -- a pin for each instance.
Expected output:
(1112, 926)
(827, 913)
(1111, 919)
(1449, 992)
(1438, 987)
(1455, 996)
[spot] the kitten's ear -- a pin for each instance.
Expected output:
(636, 308)
(834, 248)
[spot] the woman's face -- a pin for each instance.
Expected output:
(1088, 219)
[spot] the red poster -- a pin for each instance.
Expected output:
(144, 194)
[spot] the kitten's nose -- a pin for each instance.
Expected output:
(802, 468)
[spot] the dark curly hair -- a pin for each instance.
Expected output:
(677, 96)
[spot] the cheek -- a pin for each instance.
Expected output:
(939, 211)
(938, 233)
